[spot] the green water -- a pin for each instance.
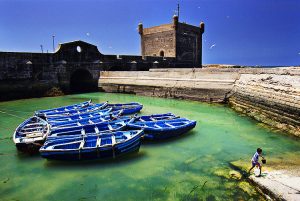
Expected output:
(180, 169)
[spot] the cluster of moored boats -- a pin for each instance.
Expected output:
(87, 130)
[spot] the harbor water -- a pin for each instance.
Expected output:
(184, 168)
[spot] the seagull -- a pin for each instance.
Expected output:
(212, 46)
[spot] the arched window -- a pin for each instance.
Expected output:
(162, 53)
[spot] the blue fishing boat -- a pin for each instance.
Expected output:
(41, 113)
(156, 130)
(155, 117)
(115, 125)
(79, 116)
(128, 108)
(30, 135)
(90, 108)
(86, 121)
(96, 146)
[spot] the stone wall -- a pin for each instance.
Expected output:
(189, 84)
(24, 75)
(159, 43)
(189, 44)
(271, 97)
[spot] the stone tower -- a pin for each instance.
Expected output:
(179, 40)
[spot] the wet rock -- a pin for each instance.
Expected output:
(247, 188)
(224, 172)
(191, 160)
(228, 173)
(235, 174)
(5, 180)
(54, 91)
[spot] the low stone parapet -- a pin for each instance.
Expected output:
(171, 83)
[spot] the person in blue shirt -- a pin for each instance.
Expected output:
(254, 160)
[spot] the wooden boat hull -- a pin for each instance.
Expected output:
(160, 133)
(42, 113)
(119, 124)
(155, 117)
(31, 148)
(86, 121)
(128, 108)
(106, 152)
(84, 110)
(30, 135)
(79, 116)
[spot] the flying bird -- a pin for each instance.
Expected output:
(212, 46)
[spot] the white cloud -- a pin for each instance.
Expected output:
(110, 47)
(212, 46)
(199, 7)
(88, 34)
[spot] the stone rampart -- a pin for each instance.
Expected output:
(170, 83)
(72, 66)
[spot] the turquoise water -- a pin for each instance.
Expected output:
(180, 169)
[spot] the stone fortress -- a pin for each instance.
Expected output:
(178, 40)
(75, 66)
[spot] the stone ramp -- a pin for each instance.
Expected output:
(280, 183)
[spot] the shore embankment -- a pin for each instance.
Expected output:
(269, 95)
(280, 178)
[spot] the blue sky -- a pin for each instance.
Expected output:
(245, 32)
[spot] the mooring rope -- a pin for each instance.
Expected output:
(16, 111)
(23, 118)
(6, 128)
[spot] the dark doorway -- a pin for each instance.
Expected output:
(162, 53)
(82, 81)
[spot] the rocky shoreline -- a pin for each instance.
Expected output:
(271, 97)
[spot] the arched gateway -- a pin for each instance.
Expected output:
(81, 80)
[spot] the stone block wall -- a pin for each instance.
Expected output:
(271, 97)
(189, 43)
(179, 40)
(170, 83)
